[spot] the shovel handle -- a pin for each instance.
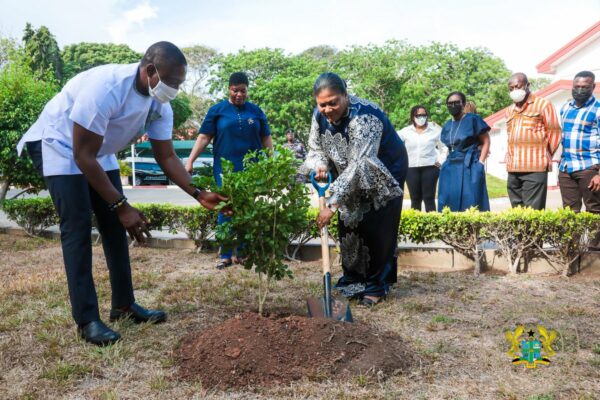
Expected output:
(324, 242)
(318, 187)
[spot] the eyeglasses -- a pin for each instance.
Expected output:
(420, 115)
(454, 103)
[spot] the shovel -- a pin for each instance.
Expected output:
(327, 307)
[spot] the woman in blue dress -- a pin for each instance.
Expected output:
(355, 140)
(236, 127)
(462, 176)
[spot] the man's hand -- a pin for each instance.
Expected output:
(134, 222)
(324, 217)
(594, 185)
(189, 167)
(321, 172)
(210, 200)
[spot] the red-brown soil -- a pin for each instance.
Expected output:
(249, 350)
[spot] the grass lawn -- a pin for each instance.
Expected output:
(496, 187)
(455, 323)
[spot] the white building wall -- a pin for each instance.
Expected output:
(587, 58)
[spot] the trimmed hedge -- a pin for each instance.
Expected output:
(561, 235)
(32, 214)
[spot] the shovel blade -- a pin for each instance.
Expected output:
(339, 310)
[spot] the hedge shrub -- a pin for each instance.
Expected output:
(32, 214)
(561, 235)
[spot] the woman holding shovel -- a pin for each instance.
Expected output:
(354, 140)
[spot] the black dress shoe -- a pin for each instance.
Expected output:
(97, 333)
(139, 314)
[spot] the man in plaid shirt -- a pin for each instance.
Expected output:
(579, 166)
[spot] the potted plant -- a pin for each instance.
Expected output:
(125, 172)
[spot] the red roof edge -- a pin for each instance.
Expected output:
(546, 67)
(563, 84)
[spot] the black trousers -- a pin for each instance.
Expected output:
(75, 200)
(422, 182)
(527, 189)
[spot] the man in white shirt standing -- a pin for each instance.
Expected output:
(73, 145)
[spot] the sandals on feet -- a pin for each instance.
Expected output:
(241, 260)
(222, 264)
(366, 302)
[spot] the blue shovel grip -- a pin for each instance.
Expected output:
(320, 188)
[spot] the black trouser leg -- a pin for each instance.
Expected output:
(72, 202)
(413, 181)
(429, 178)
(115, 245)
(535, 189)
(514, 186)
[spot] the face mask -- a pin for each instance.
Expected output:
(420, 121)
(580, 95)
(455, 109)
(162, 92)
(518, 95)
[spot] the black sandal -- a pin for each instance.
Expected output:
(222, 264)
(366, 302)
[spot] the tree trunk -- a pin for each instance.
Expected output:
(477, 270)
(4, 189)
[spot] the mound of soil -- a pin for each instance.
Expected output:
(262, 351)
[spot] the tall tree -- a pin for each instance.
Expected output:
(199, 63)
(398, 76)
(10, 50)
(82, 56)
(22, 98)
(199, 60)
(280, 84)
(42, 54)
(321, 52)
(395, 75)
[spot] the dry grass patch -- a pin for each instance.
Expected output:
(454, 321)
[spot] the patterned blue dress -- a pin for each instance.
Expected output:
(462, 176)
(369, 162)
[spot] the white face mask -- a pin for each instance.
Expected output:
(420, 121)
(162, 92)
(518, 95)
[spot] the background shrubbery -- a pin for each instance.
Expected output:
(561, 235)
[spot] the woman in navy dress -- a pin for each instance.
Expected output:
(462, 176)
(236, 127)
(355, 140)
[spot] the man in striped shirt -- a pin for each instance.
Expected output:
(580, 162)
(533, 137)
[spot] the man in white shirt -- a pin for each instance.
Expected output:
(73, 145)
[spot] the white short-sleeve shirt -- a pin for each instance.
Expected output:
(423, 148)
(105, 101)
